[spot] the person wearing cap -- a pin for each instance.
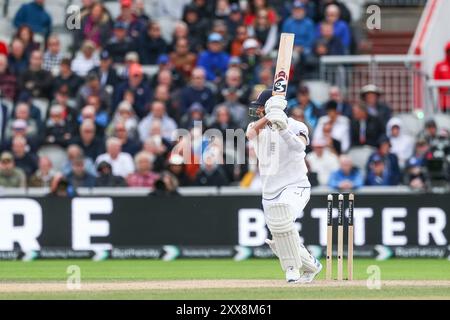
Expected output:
(67, 79)
(370, 95)
(265, 32)
(391, 166)
(105, 177)
(10, 175)
(214, 60)
(365, 128)
(176, 167)
(95, 25)
(302, 26)
(35, 80)
(442, 72)
(197, 91)
(377, 175)
(105, 71)
(322, 161)
(138, 86)
(304, 102)
(120, 43)
(57, 131)
(134, 25)
(34, 15)
(151, 44)
(402, 144)
(85, 59)
(340, 126)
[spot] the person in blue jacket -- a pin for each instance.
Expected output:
(34, 15)
(347, 177)
(341, 28)
(391, 166)
(303, 28)
(377, 175)
(214, 60)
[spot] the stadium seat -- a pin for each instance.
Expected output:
(360, 155)
(442, 121)
(55, 153)
(41, 104)
(411, 123)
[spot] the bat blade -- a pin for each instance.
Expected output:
(283, 66)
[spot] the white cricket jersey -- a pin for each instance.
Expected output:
(279, 166)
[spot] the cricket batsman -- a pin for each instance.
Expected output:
(286, 190)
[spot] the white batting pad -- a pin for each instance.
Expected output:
(280, 220)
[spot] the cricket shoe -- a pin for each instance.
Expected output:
(292, 275)
(308, 276)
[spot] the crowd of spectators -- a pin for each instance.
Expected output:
(115, 121)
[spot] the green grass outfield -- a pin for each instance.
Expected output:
(423, 279)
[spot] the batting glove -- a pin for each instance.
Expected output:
(278, 118)
(275, 102)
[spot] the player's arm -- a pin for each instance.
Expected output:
(255, 128)
(296, 138)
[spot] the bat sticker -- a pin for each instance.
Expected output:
(281, 81)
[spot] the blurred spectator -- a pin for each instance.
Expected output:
(134, 25)
(197, 91)
(370, 94)
(234, 80)
(347, 177)
(377, 175)
(365, 129)
(68, 79)
(304, 102)
(85, 59)
(177, 167)
(57, 131)
(53, 55)
(95, 25)
(166, 186)
(223, 120)
(138, 87)
(234, 19)
(158, 113)
(143, 176)
(34, 15)
(343, 107)
(125, 115)
(214, 60)
(60, 187)
(302, 26)
(402, 145)
(250, 61)
(430, 132)
(4, 118)
(391, 166)
(91, 144)
(211, 172)
(442, 72)
(26, 34)
(328, 37)
(105, 71)
(17, 59)
(3, 48)
(68, 111)
(256, 6)
(197, 25)
(44, 175)
(79, 177)
(182, 59)
(91, 88)
(10, 175)
(129, 145)
(222, 9)
(196, 113)
(121, 162)
(23, 158)
(416, 177)
(8, 81)
(341, 29)
(151, 44)
(23, 121)
(35, 80)
(236, 45)
(74, 152)
(322, 161)
(264, 31)
(237, 110)
(105, 177)
(345, 13)
(340, 126)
